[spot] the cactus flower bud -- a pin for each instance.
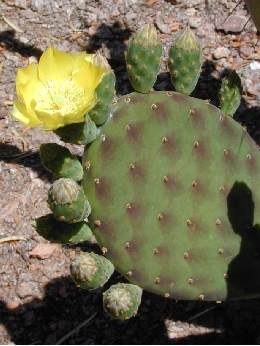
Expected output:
(67, 201)
(90, 271)
(121, 301)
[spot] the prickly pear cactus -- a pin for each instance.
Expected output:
(121, 301)
(90, 271)
(143, 58)
(67, 201)
(230, 93)
(173, 184)
(61, 232)
(79, 133)
(185, 62)
(105, 92)
(59, 161)
(173, 229)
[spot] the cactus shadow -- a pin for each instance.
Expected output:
(243, 271)
(14, 155)
(250, 119)
(64, 307)
(111, 41)
(8, 40)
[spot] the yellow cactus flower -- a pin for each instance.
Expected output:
(58, 91)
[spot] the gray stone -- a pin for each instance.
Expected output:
(190, 3)
(27, 289)
(190, 11)
(221, 52)
(232, 23)
(195, 21)
(246, 50)
(81, 5)
(204, 29)
(21, 4)
(160, 23)
(38, 5)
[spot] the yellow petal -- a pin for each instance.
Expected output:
(90, 102)
(20, 113)
(88, 76)
(72, 118)
(90, 58)
(79, 56)
(53, 120)
(49, 121)
(27, 93)
(25, 74)
(55, 65)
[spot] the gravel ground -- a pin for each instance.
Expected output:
(39, 302)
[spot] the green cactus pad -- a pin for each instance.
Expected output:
(67, 201)
(78, 133)
(56, 231)
(121, 301)
(90, 271)
(185, 62)
(143, 58)
(230, 93)
(60, 162)
(105, 95)
(175, 193)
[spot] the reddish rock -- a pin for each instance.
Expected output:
(43, 251)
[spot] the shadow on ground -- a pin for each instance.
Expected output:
(9, 42)
(64, 307)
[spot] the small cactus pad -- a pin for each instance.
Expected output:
(78, 133)
(175, 193)
(185, 62)
(56, 231)
(105, 91)
(143, 58)
(105, 95)
(67, 201)
(90, 271)
(121, 301)
(60, 162)
(230, 93)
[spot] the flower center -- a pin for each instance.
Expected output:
(65, 98)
